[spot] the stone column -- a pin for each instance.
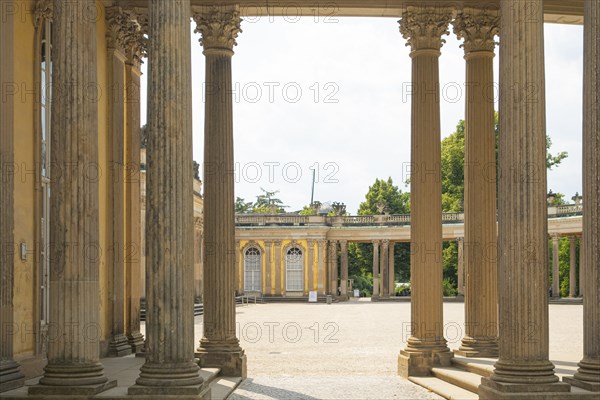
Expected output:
(344, 269)
(478, 28)
(116, 22)
(392, 276)
(219, 348)
(322, 259)
(555, 263)
(310, 253)
(197, 258)
(460, 242)
(588, 374)
(268, 283)
(277, 251)
(133, 240)
(170, 368)
(239, 270)
(333, 268)
(572, 266)
(10, 374)
(375, 270)
(73, 356)
(423, 28)
(523, 366)
(581, 268)
(383, 268)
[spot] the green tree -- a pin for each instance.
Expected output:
(267, 203)
(241, 206)
(453, 158)
(383, 197)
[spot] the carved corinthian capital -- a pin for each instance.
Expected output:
(44, 10)
(478, 28)
(125, 32)
(423, 27)
(219, 27)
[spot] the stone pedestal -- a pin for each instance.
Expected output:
(588, 373)
(375, 270)
(219, 347)
(170, 368)
(523, 368)
(74, 250)
(478, 28)
(10, 374)
(423, 28)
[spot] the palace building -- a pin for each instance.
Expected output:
(88, 227)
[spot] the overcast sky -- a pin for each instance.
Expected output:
(332, 97)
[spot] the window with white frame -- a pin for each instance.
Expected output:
(294, 268)
(252, 264)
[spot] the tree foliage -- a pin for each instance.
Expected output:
(385, 198)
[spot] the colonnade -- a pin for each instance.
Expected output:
(522, 280)
(573, 278)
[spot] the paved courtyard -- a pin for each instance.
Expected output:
(349, 350)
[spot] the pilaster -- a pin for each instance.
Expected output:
(344, 269)
(333, 267)
(392, 276)
(423, 27)
(268, 267)
(219, 347)
(477, 252)
(588, 373)
(321, 275)
(170, 368)
(383, 268)
(74, 366)
(555, 264)
(310, 253)
(278, 257)
(572, 266)
(239, 270)
(523, 368)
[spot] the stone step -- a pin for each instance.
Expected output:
(442, 388)
(223, 386)
(458, 377)
(483, 367)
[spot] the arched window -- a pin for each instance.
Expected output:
(252, 264)
(294, 268)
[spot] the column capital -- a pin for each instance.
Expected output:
(478, 28)
(385, 242)
(219, 27)
(423, 27)
(375, 242)
(126, 28)
(44, 10)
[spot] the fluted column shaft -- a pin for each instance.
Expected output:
(322, 258)
(391, 273)
(132, 207)
(572, 266)
(170, 209)
(460, 242)
(10, 375)
(239, 277)
(555, 263)
(219, 346)
(588, 374)
(310, 252)
(267, 287)
(523, 364)
(383, 268)
(333, 267)
(423, 28)
(478, 28)
(74, 250)
(344, 268)
(581, 268)
(375, 269)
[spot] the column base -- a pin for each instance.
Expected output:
(119, 346)
(492, 390)
(471, 347)
(180, 392)
(232, 362)
(375, 297)
(65, 391)
(10, 376)
(136, 341)
(411, 363)
(159, 376)
(587, 376)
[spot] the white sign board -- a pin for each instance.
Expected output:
(312, 296)
(356, 293)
